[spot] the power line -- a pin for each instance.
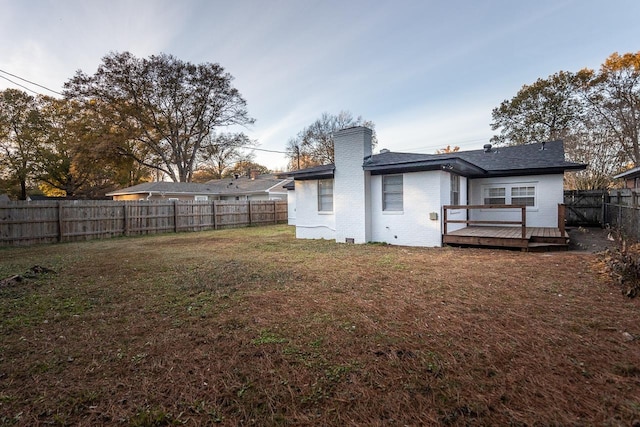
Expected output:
(18, 84)
(28, 81)
(262, 149)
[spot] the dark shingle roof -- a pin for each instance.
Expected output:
(529, 159)
(519, 158)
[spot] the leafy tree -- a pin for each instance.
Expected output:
(75, 159)
(546, 110)
(21, 135)
(161, 108)
(597, 114)
(613, 97)
(448, 149)
(313, 145)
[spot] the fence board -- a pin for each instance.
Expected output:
(25, 223)
(584, 207)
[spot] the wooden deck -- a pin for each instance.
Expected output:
(535, 238)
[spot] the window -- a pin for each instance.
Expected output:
(510, 194)
(455, 190)
(495, 196)
(392, 192)
(201, 198)
(523, 196)
(325, 195)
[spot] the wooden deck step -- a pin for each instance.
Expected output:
(547, 247)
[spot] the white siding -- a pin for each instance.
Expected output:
(549, 193)
(291, 207)
(422, 195)
(311, 224)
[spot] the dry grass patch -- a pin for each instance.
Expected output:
(251, 326)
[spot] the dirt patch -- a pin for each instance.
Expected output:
(590, 239)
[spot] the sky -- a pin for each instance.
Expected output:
(428, 73)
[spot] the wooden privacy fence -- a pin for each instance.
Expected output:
(622, 212)
(585, 207)
(26, 223)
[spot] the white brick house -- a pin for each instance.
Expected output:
(398, 198)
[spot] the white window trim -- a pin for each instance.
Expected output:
(454, 177)
(320, 211)
(507, 192)
(389, 211)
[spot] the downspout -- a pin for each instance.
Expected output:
(150, 194)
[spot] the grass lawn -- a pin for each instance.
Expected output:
(253, 327)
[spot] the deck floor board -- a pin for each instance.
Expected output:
(506, 236)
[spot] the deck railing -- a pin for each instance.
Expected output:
(522, 223)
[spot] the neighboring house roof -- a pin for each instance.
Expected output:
(164, 187)
(631, 173)
(245, 185)
(529, 159)
(226, 186)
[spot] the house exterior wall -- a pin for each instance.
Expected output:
(291, 207)
(130, 197)
(422, 195)
(549, 193)
(311, 224)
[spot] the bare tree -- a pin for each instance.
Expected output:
(314, 144)
(220, 152)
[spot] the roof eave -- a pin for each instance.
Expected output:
(454, 165)
(531, 171)
(313, 173)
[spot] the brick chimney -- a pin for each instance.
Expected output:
(253, 173)
(351, 194)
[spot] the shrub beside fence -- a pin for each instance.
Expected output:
(26, 223)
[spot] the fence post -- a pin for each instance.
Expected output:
(524, 222)
(249, 209)
(60, 222)
(125, 219)
(215, 215)
(275, 212)
(175, 216)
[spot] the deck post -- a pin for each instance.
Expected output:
(444, 220)
(561, 218)
(524, 222)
